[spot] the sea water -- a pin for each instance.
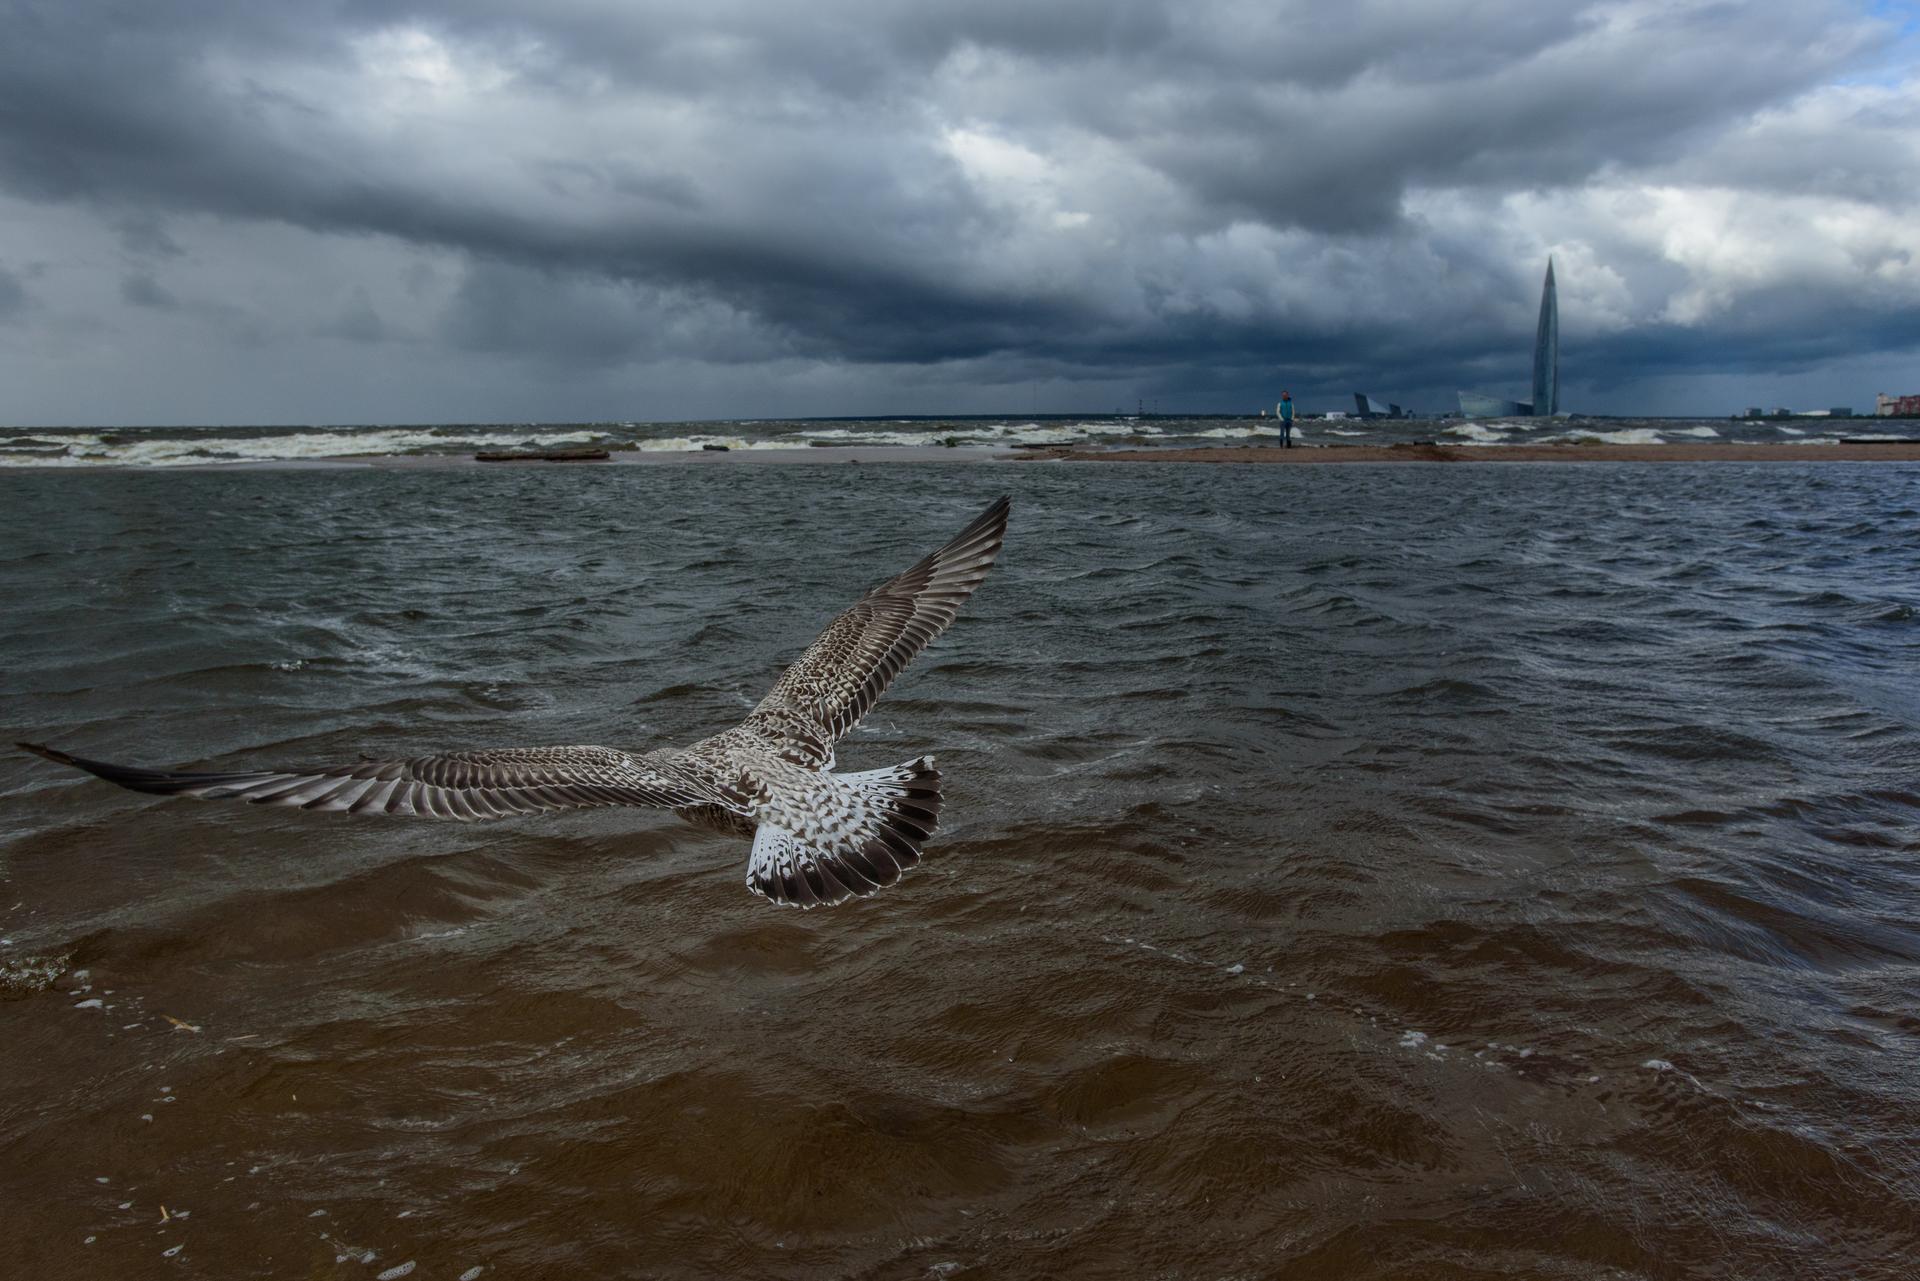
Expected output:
(1363, 871)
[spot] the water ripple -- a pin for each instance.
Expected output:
(1353, 871)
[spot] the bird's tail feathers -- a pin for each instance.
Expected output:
(900, 808)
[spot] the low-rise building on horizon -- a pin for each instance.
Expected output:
(1366, 406)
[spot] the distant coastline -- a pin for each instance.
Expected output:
(1730, 452)
(818, 441)
(1213, 455)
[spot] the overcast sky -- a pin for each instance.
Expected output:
(236, 211)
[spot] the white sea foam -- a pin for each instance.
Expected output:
(1624, 436)
(1062, 433)
(1478, 433)
(30, 974)
(848, 436)
(160, 450)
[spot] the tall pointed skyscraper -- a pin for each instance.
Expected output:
(1546, 351)
(1546, 369)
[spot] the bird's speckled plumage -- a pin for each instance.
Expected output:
(818, 837)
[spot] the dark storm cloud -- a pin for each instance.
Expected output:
(13, 295)
(1196, 191)
(357, 321)
(142, 290)
(143, 237)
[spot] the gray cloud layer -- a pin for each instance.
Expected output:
(750, 208)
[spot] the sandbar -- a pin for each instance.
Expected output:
(1904, 452)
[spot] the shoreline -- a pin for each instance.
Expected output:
(817, 454)
(1433, 453)
(881, 455)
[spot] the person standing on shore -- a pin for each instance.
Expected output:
(1284, 412)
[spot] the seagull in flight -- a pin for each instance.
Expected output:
(819, 837)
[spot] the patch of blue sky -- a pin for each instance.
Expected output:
(1897, 60)
(1905, 14)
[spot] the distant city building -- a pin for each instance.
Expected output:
(1837, 411)
(1366, 406)
(1546, 351)
(1885, 406)
(1546, 368)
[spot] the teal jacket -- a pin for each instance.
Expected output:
(1286, 411)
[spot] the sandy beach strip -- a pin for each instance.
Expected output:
(1307, 455)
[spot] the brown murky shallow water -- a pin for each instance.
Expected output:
(1360, 872)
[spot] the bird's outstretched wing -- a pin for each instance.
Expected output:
(846, 670)
(462, 786)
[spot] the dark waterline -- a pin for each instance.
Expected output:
(1361, 872)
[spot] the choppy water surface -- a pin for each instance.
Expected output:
(1366, 871)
